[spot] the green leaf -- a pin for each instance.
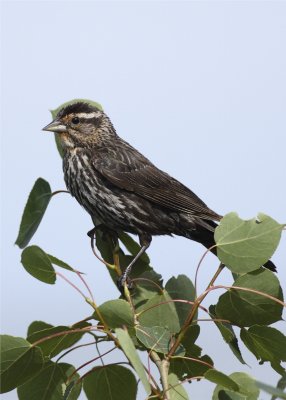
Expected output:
(159, 311)
(266, 343)
(132, 355)
(55, 112)
(176, 390)
(110, 382)
(247, 385)
(72, 386)
(150, 285)
(133, 247)
(181, 288)
(191, 366)
(221, 379)
(37, 326)
(54, 260)
(281, 384)
(19, 362)
(223, 394)
(38, 264)
(246, 245)
(157, 338)
(228, 335)
(34, 211)
(48, 384)
(54, 345)
(116, 313)
(244, 308)
(247, 389)
(188, 341)
(272, 390)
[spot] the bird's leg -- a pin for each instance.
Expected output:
(145, 241)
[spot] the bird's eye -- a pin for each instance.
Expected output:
(75, 120)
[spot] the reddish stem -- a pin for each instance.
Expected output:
(193, 359)
(200, 263)
(75, 348)
(70, 283)
(85, 329)
(148, 280)
(170, 301)
(89, 362)
(85, 284)
(246, 290)
(59, 191)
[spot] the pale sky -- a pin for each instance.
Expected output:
(198, 87)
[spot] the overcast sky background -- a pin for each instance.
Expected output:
(198, 87)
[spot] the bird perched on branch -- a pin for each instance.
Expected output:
(121, 189)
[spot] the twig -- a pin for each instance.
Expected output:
(246, 290)
(194, 360)
(116, 258)
(101, 367)
(69, 332)
(83, 320)
(192, 313)
(151, 377)
(200, 263)
(85, 284)
(89, 362)
(98, 352)
(92, 240)
(70, 283)
(212, 320)
(129, 299)
(170, 301)
(149, 280)
(163, 367)
(59, 191)
(106, 328)
(75, 348)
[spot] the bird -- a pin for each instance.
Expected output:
(121, 189)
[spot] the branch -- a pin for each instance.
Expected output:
(89, 362)
(163, 367)
(200, 263)
(193, 311)
(246, 290)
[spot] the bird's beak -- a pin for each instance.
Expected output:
(55, 126)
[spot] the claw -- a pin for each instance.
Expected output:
(121, 282)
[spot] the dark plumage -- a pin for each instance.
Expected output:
(120, 188)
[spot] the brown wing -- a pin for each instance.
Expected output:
(126, 168)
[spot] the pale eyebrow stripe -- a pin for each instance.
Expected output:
(87, 115)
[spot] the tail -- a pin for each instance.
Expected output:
(205, 236)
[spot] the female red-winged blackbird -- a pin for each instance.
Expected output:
(120, 188)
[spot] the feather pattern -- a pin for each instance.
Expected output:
(126, 168)
(121, 189)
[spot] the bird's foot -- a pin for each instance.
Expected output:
(122, 280)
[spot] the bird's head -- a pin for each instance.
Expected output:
(81, 124)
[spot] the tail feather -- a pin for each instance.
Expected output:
(206, 237)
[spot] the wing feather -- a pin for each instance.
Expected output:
(126, 168)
